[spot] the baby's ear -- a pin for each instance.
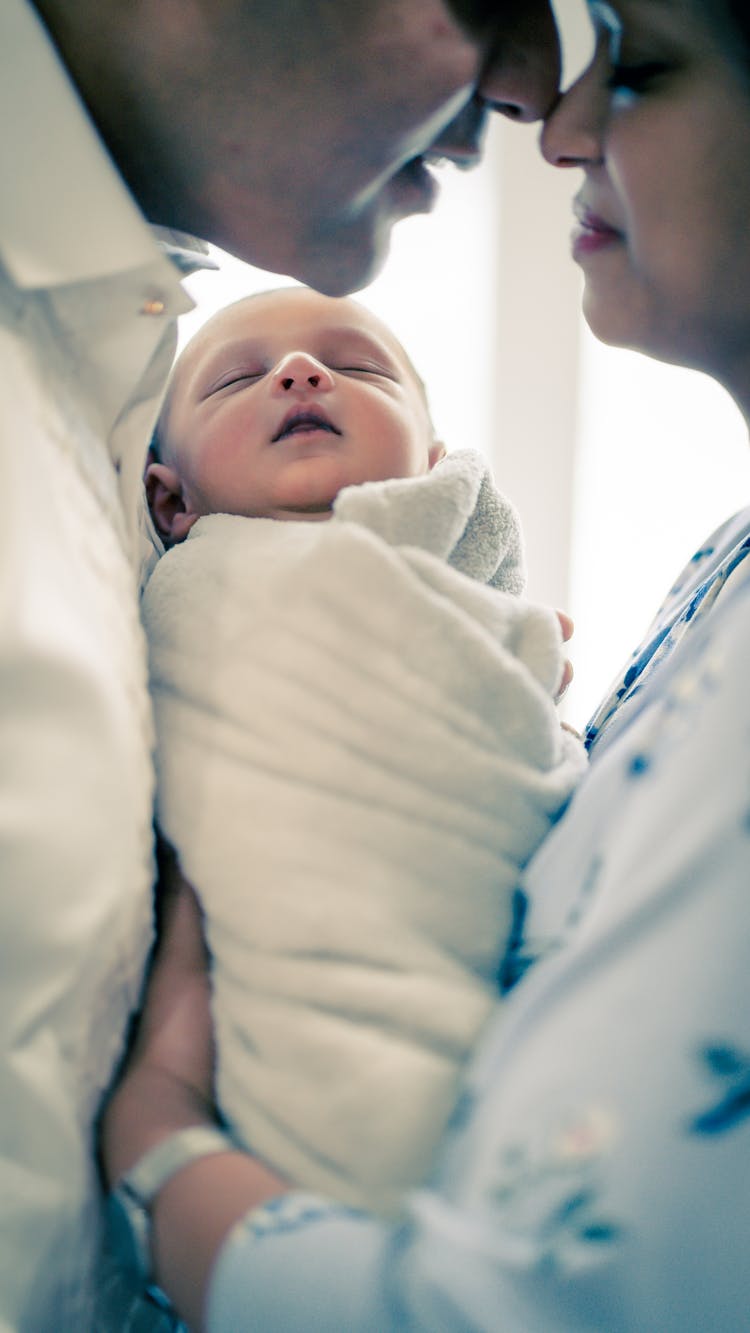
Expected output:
(436, 453)
(171, 516)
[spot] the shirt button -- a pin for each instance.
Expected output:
(153, 305)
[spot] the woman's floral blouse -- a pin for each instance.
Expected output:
(597, 1172)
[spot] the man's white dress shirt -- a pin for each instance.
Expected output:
(87, 307)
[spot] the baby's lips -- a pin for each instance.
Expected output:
(301, 416)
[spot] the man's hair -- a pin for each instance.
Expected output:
(738, 12)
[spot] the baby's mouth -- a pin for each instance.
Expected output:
(303, 422)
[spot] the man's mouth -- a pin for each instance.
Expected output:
(414, 188)
(301, 422)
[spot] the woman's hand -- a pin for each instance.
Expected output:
(167, 1085)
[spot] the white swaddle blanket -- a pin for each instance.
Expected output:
(358, 750)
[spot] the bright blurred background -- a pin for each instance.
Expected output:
(618, 465)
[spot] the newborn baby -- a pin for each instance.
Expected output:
(358, 746)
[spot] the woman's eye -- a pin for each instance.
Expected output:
(635, 79)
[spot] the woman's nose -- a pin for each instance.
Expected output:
(573, 133)
(298, 372)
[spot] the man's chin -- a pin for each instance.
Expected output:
(349, 255)
(343, 254)
(353, 255)
(346, 270)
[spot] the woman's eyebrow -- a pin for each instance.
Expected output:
(607, 17)
(615, 15)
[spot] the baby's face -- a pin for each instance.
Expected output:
(283, 399)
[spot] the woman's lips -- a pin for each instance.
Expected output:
(592, 233)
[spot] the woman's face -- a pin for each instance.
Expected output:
(660, 125)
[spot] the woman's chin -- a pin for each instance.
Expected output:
(674, 340)
(614, 321)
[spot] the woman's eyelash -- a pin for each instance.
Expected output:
(635, 78)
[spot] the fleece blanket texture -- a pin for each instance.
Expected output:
(358, 750)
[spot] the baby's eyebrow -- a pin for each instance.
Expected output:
(348, 340)
(229, 356)
(368, 340)
(242, 352)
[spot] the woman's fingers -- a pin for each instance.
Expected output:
(175, 1029)
(567, 676)
(567, 626)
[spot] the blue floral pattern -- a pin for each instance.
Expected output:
(596, 1170)
(730, 1069)
(686, 604)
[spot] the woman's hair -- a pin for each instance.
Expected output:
(739, 15)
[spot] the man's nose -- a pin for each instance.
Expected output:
(298, 372)
(521, 75)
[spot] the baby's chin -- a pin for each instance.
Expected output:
(312, 495)
(304, 514)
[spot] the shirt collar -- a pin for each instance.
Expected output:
(187, 253)
(72, 236)
(68, 216)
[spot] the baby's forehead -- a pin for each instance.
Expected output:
(263, 326)
(297, 313)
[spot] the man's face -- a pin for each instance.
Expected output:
(296, 133)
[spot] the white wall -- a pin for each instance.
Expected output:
(662, 459)
(620, 465)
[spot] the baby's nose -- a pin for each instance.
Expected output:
(298, 372)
